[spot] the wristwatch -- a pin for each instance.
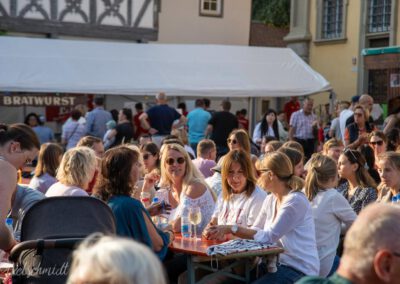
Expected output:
(234, 229)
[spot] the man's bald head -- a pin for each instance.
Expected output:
(377, 227)
(366, 101)
(161, 98)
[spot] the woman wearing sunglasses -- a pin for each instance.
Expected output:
(285, 219)
(359, 188)
(238, 139)
(151, 170)
(180, 181)
(18, 145)
(240, 201)
(389, 171)
(378, 143)
(356, 133)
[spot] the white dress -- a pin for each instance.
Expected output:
(205, 202)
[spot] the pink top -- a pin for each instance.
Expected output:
(204, 166)
(59, 189)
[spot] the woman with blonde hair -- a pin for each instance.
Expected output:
(330, 208)
(241, 199)
(356, 133)
(49, 159)
(333, 148)
(286, 219)
(389, 171)
(182, 182)
(75, 173)
(114, 260)
(359, 188)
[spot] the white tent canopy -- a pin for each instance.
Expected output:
(93, 67)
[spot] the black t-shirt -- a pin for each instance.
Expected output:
(161, 118)
(124, 133)
(223, 123)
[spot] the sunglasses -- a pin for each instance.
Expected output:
(348, 150)
(379, 143)
(359, 114)
(146, 156)
(233, 141)
(171, 161)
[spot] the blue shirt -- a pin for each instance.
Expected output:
(96, 122)
(162, 117)
(44, 133)
(197, 124)
(128, 214)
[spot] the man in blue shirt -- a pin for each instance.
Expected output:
(159, 119)
(96, 119)
(197, 121)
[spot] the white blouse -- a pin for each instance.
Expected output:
(292, 229)
(205, 202)
(240, 209)
(330, 210)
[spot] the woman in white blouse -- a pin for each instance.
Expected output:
(240, 201)
(330, 208)
(269, 126)
(181, 180)
(285, 219)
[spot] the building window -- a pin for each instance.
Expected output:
(379, 15)
(211, 8)
(331, 20)
(332, 23)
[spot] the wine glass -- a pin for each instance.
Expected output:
(195, 218)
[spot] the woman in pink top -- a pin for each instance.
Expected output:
(75, 173)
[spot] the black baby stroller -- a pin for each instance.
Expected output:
(50, 231)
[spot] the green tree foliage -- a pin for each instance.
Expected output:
(273, 12)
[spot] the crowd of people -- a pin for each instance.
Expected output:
(272, 187)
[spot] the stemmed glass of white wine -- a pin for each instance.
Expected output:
(195, 218)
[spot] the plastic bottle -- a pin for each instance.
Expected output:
(185, 223)
(9, 225)
(156, 219)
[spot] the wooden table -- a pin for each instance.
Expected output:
(196, 251)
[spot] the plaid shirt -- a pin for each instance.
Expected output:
(302, 124)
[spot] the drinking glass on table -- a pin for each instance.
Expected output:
(195, 218)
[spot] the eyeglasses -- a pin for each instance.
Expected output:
(379, 143)
(359, 114)
(233, 141)
(146, 156)
(264, 170)
(171, 161)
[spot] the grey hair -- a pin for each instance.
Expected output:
(115, 260)
(378, 228)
